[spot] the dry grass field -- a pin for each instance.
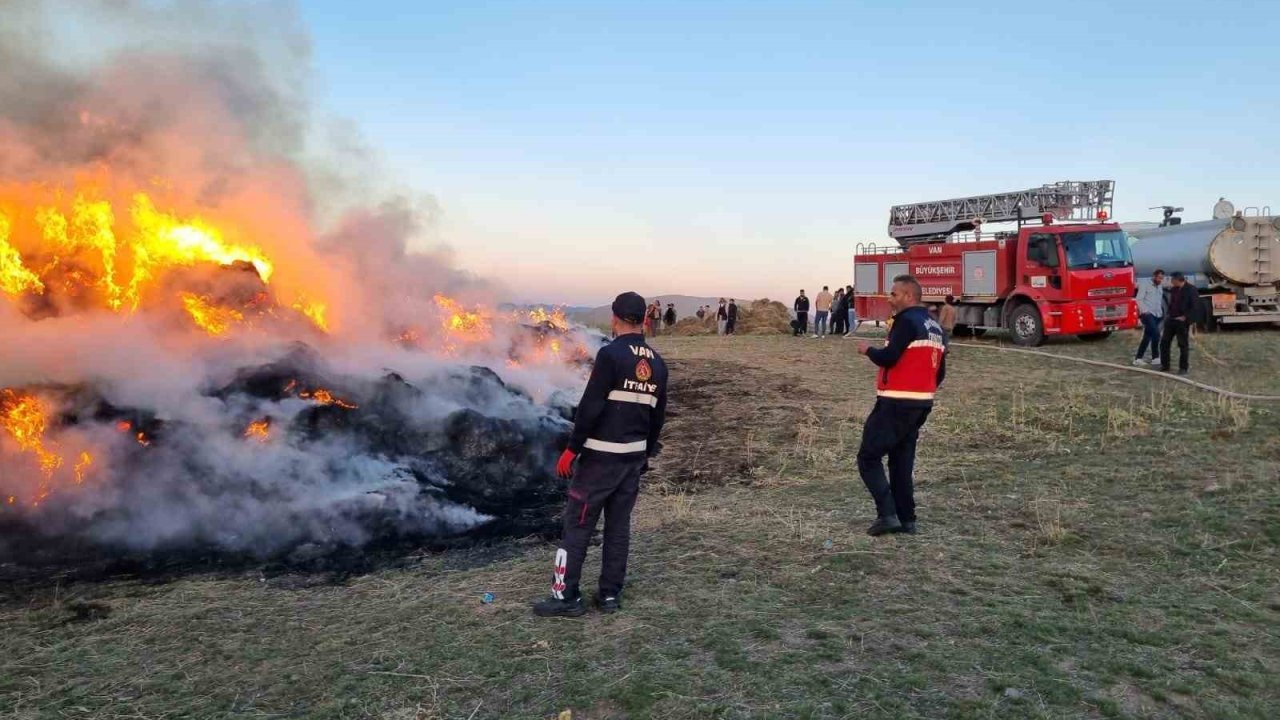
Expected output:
(1094, 543)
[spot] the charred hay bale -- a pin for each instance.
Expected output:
(301, 366)
(481, 387)
(374, 461)
(502, 468)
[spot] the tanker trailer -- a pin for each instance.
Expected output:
(1228, 259)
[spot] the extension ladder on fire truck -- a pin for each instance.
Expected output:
(1068, 200)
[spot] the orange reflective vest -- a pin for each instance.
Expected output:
(919, 346)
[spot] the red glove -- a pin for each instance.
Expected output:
(564, 468)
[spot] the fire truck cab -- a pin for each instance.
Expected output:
(1044, 278)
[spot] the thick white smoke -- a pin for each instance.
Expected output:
(203, 105)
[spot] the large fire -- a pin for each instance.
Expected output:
(70, 249)
(78, 249)
(215, 335)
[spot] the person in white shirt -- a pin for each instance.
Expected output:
(1150, 311)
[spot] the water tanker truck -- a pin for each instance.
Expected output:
(1229, 259)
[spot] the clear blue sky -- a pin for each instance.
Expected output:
(580, 148)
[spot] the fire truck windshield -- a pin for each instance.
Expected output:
(1096, 250)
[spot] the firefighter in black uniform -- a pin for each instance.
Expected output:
(615, 432)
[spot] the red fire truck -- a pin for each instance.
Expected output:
(1064, 270)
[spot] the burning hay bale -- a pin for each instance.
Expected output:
(316, 459)
(215, 342)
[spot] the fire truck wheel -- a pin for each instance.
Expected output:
(1095, 337)
(1027, 325)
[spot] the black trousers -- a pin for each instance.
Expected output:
(601, 484)
(802, 323)
(729, 325)
(891, 429)
(839, 322)
(1181, 329)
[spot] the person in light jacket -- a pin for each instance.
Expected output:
(1150, 298)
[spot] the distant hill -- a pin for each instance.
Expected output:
(686, 306)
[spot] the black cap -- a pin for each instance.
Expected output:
(629, 307)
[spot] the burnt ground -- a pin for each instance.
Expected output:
(1094, 543)
(725, 420)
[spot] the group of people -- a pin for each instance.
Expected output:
(725, 314)
(623, 408)
(1166, 319)
(656, 320)
(832, 313)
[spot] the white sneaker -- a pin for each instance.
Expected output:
(1139, 361)
(813, 336)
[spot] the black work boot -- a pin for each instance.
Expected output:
(884, 525)
(608, 603)
(909, 527)
(555, 607)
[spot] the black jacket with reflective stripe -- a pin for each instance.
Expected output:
(625, 403)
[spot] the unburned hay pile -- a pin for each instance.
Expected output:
(760, 317)
(764, 317)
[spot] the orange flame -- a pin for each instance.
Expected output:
(555, 318)
(259, 430)
(314, 311)
(81, 247)
(461, 324)
(324, 397)
(86, 460)
(209, 317)
(15, 278)
(165, 240)
(24, 417)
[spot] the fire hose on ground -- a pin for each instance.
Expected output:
(1131, 368)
